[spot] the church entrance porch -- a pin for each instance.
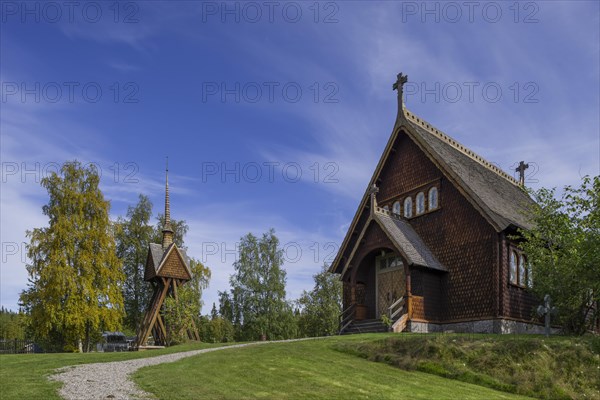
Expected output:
(390, 282)
(378, 282)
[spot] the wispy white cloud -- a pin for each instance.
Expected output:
(503, 132)
(362, 54)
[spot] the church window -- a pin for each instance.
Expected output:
(529, 274)
(526, 279)
(522, 271)
(514, 261)
(386, 208)
(433, 198)
(396, 208)
(420, 203)
(408, 207)
(389, 261)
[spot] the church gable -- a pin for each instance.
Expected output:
(408, 173)
(373, 238)
(406, 169)
(418, 157)
(445, 211)
(174, 265)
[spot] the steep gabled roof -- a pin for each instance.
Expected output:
(494, 193)
(156, 252)
(403, 237)
(407, 241)
(497, 193)
(157, 258)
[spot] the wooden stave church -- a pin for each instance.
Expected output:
(167, 268)
(440, 275)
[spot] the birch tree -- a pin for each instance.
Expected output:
(257, 296)
(75, 276)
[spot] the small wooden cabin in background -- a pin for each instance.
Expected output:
(429, 244)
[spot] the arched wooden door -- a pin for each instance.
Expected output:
(391, 282)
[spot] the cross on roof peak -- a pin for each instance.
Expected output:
(521, 170)
(401, 79)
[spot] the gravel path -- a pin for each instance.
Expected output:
(111, 380)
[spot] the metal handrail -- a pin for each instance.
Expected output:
(348, 319)
(401, 303)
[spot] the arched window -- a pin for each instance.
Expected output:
(420, 203)
(525, 277)
(433, 198)
(386, 208)
(408, 207)
(529, 274)
(396, 208)
(514, 261)
(522, 271)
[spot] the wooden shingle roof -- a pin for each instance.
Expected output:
(407, 241)
(494, 193)
(157, 258)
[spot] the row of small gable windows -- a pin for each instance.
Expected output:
(410, 207)
(519, 269)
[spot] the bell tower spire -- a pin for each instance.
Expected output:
(167, 230)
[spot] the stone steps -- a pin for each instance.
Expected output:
(366, 326)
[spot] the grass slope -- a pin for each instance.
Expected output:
(25, 376)
(555, 368)
(308, 369)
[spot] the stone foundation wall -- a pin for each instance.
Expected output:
(502, 326)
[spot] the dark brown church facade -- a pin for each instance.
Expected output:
(430, 244)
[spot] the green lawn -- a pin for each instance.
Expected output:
(410, 367)
(310, 369)
(556, 368)
(25, 376)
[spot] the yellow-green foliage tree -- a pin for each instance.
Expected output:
(75, 275)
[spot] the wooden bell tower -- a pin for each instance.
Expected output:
(167, 268)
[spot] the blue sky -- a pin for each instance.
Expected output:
(275, 114)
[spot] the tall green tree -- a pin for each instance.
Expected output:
(257, 301)
(226, 309)
(216, 329)
(321, 306)
(133, 235)
(184, 313)
(12, 325)
(213, 312)
(75, 276)
(563, 249)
